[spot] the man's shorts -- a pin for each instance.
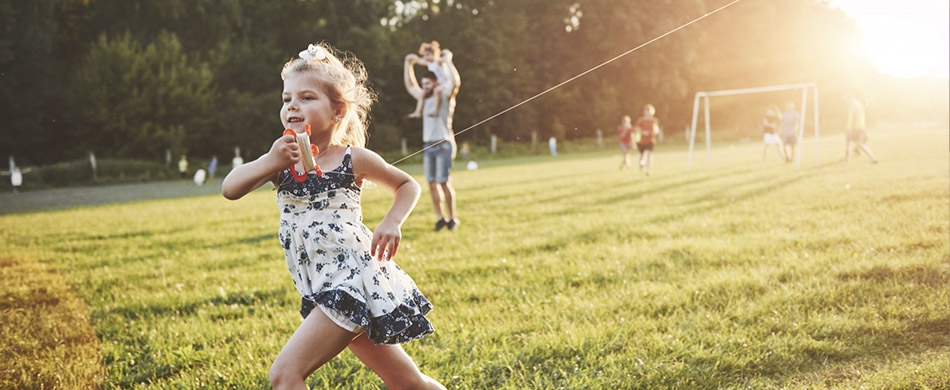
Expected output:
(644, 147)
(437, 161)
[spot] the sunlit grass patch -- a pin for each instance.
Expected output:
(565, 273)
(47, 339)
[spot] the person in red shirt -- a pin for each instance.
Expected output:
(627, 137)
(648, 128)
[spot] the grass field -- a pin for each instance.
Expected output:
(565, 273)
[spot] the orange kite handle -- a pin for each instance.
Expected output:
(301, 177)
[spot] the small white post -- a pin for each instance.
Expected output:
(692, 133)
(92, 162)
(815, 91)
(801, 129)
(708, 132)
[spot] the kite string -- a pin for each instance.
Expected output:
(572, 79)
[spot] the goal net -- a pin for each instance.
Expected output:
(703, 98)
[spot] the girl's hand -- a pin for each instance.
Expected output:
(385, 241)
(285, 151)
(248, 177)
(412, 58)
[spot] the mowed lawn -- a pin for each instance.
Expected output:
(565, 273)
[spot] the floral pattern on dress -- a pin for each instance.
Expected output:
(327, 249)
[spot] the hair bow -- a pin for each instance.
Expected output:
(314, 53)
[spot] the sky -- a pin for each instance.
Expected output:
(904, 38)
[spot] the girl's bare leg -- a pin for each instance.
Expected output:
(316, 341)
(393, 365)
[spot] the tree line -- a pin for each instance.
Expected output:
(140, 78)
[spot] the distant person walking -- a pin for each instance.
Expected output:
(628, 135)
(237, 160)
(212, 167)
(183, 168)
(437, 133)
(648, 127)
(857, 130)
(790, 123)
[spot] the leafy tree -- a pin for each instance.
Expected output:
(30, 79)
(139, 101)
(136, 77)
(247, 62)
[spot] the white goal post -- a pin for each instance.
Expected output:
(704, 98)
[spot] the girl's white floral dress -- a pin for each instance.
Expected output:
(328, 254)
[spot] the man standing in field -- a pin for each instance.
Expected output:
(437, 133)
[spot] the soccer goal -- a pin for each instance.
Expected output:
(703, 97)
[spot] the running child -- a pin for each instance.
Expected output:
(648, 127)
(856, 130)
(770, 125)
(628, 136)
(352, 294)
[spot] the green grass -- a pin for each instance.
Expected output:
(565, 273)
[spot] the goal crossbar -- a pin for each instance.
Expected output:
(703, 97)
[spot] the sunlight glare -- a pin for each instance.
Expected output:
(908, 38)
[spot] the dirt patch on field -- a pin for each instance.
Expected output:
(47, 340)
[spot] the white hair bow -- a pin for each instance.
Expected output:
(314, 53)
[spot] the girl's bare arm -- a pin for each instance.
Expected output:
(248, 177)
(368, 165)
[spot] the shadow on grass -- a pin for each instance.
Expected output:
(146, 366)
(808, 350)
(245, 300)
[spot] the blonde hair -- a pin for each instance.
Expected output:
(343, 79)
